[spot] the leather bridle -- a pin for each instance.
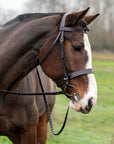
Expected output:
(66, 75)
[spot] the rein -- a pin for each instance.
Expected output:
(48, 110)
(43, 93)
(65, 80)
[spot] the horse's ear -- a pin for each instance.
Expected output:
(90, 18)
(73, 18)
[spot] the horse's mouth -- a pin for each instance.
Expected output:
(84, 111)
(77, 107)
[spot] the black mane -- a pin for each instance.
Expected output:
(27, 17)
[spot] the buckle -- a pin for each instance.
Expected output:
(75, 95)
(65, 78)
(62, 39)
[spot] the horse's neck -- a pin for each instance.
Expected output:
(19, 53)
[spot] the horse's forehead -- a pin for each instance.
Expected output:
(87, 46)
(86, 42)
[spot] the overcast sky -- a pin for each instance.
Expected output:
(17, 5)
(10, 9)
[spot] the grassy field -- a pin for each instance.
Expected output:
(96, 127)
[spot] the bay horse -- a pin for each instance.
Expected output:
(24, 42)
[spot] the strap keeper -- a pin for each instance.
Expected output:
(61, 29)
(61, 39)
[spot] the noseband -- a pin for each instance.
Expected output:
(66, 75)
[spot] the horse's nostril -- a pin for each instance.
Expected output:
(90, 104)
(82, 110)
(88, 107)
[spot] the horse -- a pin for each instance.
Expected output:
(25, 43)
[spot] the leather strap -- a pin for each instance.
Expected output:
(74, 75)
(48, 110)
(47, 54)
(79, 73)
(65, 72)
(69, 29)
(31, 94)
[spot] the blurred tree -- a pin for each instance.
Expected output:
(44, 6)
(6, 15)
(2, 16)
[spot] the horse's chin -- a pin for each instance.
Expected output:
(75, 106)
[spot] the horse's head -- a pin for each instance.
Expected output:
(77, 54)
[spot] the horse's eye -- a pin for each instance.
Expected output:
(76, 48)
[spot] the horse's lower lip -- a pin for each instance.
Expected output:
(84, 111)
(77, 107)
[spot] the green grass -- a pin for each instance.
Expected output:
(4, 140)
(94, 128)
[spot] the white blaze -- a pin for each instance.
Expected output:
(92, 86)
